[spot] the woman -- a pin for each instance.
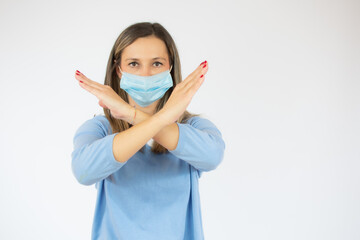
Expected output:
(143, 191)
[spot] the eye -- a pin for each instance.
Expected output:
(159, 63)
(132, 63)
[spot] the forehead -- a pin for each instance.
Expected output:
(145, 48)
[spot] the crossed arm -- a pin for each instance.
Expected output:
(168, 136)
(145, 127)
(96, 155)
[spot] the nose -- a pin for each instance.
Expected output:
(145, 71)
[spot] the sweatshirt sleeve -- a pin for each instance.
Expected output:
(200, 144)
(92, 156)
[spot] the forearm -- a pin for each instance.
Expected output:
(168, 136)
(128, 142)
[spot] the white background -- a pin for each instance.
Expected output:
(282, 87)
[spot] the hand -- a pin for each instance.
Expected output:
(182, 95)
(108, 98)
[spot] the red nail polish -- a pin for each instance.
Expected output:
(77, 73)
(201, 76)
(77, 70)
(81, 81)
(204, 65)
(205, 61)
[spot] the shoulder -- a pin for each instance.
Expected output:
(200, 122)
(204, 124)
(98, 123)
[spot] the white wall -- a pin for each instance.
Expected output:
(282, 86)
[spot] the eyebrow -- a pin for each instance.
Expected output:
(138, 59)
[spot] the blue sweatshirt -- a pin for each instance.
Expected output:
(150, 196)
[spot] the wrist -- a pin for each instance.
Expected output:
(130, 115)
(160, 117)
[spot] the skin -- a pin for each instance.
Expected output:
(160, 126)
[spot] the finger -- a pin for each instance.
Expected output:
(196, 78)
(195, 73)
(192, 91)
(90, 89)
(195, 85)
(81, 77)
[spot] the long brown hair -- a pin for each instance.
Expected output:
(127, 37)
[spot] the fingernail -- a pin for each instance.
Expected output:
(205, 61)
(77, 73)
(81, 81)
(204, 65)
(201, 76)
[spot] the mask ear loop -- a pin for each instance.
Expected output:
(170, 68)
(120, 70)
(118, 66)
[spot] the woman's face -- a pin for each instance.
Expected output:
(145, 57)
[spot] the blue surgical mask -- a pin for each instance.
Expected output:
(146, 89)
